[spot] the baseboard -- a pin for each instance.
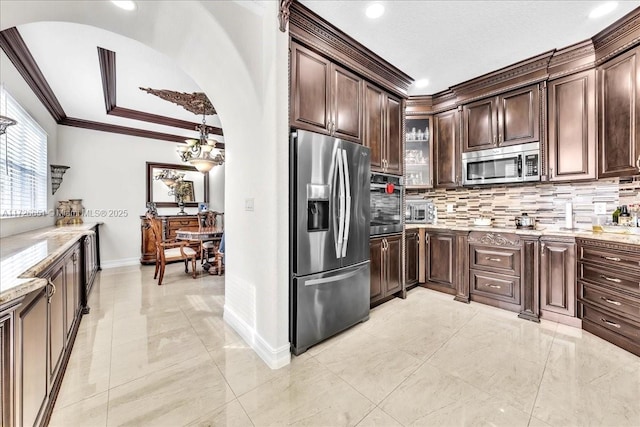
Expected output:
(274, 358)
(123, 262)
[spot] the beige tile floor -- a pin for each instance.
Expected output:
(162, 356)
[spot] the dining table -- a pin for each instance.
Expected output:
(202, 234)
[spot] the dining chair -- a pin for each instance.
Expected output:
(169, 250)
(209, 219)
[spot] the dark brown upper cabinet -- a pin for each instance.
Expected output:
(383, 130)
(572, 127)
(325, 97)
(446, 143)
(508, 119)
(619, 115)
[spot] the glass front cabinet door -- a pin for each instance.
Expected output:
(418, 152)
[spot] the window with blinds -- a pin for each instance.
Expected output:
(23, 163)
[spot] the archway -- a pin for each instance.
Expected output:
(237, 56)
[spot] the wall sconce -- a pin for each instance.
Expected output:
(56, 176)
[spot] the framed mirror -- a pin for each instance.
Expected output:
(158, 191)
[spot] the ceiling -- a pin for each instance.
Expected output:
(447, 42)
(67, 55)
(450, 42)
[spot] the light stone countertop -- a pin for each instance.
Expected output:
(26, 255)
(633, 237)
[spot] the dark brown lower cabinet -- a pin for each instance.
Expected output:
(608, 291)
(447, 263)
(386, 266)
(6, 371)
(412, 244)
(31, 356)
(36, 337)
(557, 278)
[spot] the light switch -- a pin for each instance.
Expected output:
(248, 204)
(450, 208)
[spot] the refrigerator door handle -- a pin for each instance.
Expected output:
(347, 217)
(329, 279)
(333, 173)
(341, 204)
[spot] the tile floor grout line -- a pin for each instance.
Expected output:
(546, 361)
(106, 423)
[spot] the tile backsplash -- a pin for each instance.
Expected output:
(545, 202)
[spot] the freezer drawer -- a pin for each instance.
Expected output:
(324, 304)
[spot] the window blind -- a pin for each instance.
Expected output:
(23, 163)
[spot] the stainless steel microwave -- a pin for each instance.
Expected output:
(515, 163)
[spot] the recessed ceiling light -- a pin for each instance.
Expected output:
(375, 10)
(126, 4)
(422, 83)
(603, 9)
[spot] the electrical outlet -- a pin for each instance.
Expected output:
(450, 208)
(600, 208)
(248, 205)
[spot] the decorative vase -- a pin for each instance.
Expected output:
(76, 210)
(64, 208)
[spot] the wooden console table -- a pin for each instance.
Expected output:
(170, 224)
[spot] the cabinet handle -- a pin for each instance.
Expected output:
(638, 163)
(52, 290)
(610, 301)
(610, 258)
(608, 322)
(494, 140)
(610, 279)
(551, 172)
(492, 259)
(494, 286)
(542, 247)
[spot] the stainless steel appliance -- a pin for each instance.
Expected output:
(515, 163)
(330, 273)
(420, 211)
(386, 204)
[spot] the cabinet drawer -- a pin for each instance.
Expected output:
(613, 279)
(505, 261)
(611, 300)
(611, 258)
(608, 321)
(176, 224)
(504, 288)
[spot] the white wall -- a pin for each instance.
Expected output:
(245, 75)
(108, 172)
(18, 88)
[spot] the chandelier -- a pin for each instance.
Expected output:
(169, 177)
(201, 153)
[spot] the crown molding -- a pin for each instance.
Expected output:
(315, 32)
(107, 61)
(17, 51)
(617, 37)
(123, 130)
(572, 59)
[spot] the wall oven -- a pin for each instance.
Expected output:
(515, 163)
(386, 204)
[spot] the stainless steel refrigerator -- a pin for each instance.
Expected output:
(330, 273)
